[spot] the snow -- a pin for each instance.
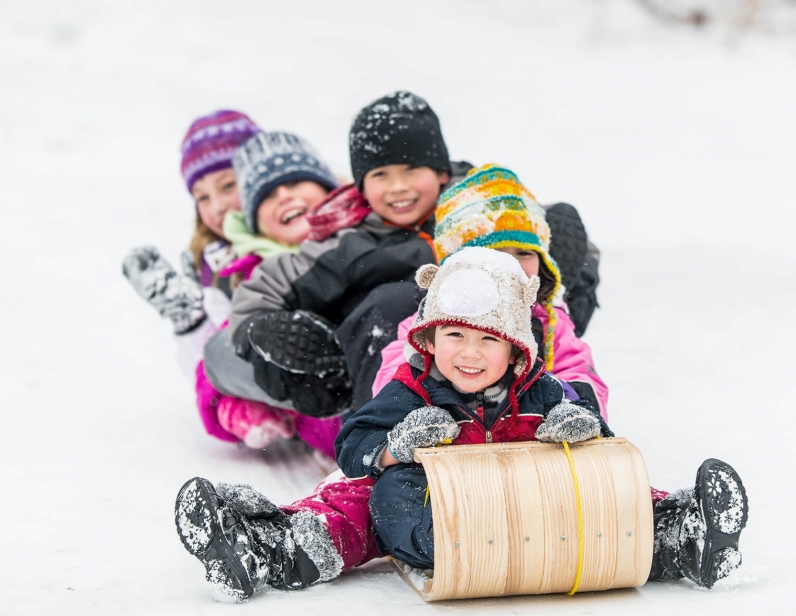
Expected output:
(676, 145)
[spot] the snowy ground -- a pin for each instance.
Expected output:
(676, 145)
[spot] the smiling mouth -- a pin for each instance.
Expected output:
(402, 205)
(291, 214)
(469, 371)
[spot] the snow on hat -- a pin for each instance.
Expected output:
(269, 159)
(483, 289)
(210, 143)
(491, 208)
(397, 129)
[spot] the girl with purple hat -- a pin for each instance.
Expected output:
(228, 163)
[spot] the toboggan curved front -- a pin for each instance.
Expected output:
(507, 520)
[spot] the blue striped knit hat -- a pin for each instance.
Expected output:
(268, 160)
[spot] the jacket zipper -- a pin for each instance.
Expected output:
(480, 399)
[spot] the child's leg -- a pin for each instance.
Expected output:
(343, 505)
(402, 515)
(246, 542)
(255, 423)
(319, 433)
(697, 530)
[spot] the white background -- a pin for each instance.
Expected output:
(676, 145)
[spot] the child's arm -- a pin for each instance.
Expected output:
(387, 429)
(321, 274)
(574, 363)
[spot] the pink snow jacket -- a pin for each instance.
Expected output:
(573, 360)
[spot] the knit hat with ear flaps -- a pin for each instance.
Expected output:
(482, 289)
(398, 129)
(492, 209)
(210, 143)
(270, 159)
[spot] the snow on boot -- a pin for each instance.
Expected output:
(697, 530)
(255, 423)
(300, 342)
(178, 298)
(241, 553)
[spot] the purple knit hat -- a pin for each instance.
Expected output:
(210, 143)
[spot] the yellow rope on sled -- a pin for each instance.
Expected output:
(579, 572)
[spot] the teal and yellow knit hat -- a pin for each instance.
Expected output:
(491, 208)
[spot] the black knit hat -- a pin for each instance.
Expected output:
(398, 129)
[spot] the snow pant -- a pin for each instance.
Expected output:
(317, 433)
(342, 506)
(402, 517)
(370, 327)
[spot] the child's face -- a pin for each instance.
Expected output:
(469, 358)
(403, 194)
(282, 214)
(216, 194)
(529, 260)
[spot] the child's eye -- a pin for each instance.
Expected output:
(454, 334)
(228, 186)
(201, 199)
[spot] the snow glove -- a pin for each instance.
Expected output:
(247, 543)
(568, 422)
(178, 298)
(423, 427)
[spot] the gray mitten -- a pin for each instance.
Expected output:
(188, 266)
(423, 427)
(568, 422)
(175, 297)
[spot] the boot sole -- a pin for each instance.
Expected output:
(287, 345)
(197, 519)
(725, 509)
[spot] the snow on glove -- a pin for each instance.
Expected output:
(423, 427)
(175, 297)
(568, 422)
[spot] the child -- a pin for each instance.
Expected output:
(207, 151)
(491, 208)
(481, 382)
(276, 199)
(295, 308)
(281, 181)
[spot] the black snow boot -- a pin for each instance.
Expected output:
(246, 543)
(697, 530)
(299, 341)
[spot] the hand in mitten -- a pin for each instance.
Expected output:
(423, 427)
(568, 422)
(175, 297)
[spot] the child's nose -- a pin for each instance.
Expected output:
(283, 194)
(398, 183)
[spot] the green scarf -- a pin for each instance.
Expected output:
(244, 242)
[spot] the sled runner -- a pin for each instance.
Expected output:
(518, 518)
